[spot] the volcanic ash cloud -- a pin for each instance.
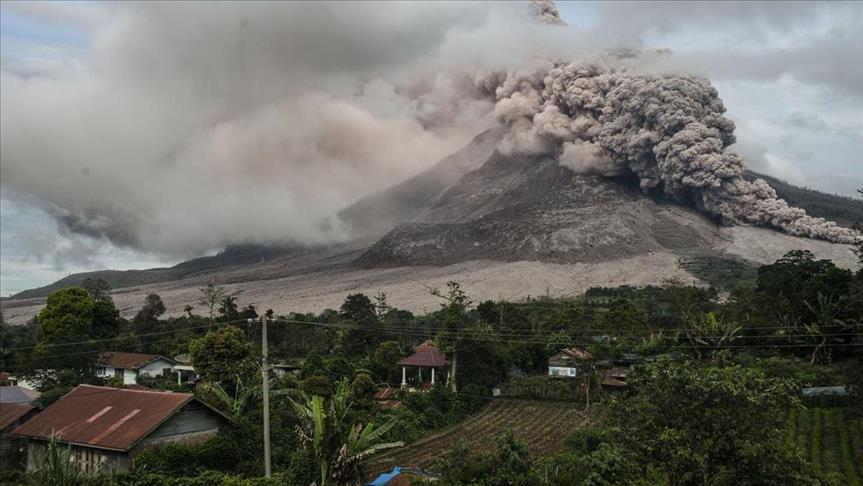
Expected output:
(670, 131)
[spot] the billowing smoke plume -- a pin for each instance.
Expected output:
(187, 126)
(669, 131)
(546, 12)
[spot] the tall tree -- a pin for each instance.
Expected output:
(212, 296)
(223, 355)
(97, 287)
(358, 308)
(67, 330)
(454, 304)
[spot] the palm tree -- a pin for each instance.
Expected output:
(337, 445)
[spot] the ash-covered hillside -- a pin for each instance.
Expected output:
(477, 204)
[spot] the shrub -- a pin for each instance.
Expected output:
(317, 385)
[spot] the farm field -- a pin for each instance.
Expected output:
(542, 425)
(832, 443)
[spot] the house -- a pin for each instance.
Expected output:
(282, 369)
(9, 379)
(566, 362)
(183, 368)
(387, 398)
(615, 378)
(106, 428)
(130, 366)
(15, 408)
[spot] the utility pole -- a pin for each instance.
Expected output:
(265, 372)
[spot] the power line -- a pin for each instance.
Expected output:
(492, 339)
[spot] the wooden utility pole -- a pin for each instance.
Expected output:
(265, 372)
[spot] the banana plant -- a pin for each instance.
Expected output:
(237, 403)
(339, 447)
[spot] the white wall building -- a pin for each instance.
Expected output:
(130, 366)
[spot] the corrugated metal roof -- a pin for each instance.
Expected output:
(127, 360)
(385, 393)
(17, 394)
(107, 418)
(426, 355)
(10, 412)
(577, 353)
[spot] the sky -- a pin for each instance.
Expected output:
(138, 135)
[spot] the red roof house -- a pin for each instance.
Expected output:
(11, 416)
(129, 366)
(107, 427)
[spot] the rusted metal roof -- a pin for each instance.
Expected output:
(10, 412)
(567, 356)
(127, 360)
(385, 393)
(102, 417)
(426, 355)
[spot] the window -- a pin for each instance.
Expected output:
(118, 372)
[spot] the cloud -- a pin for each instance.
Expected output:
(191, 127)
(85, 14)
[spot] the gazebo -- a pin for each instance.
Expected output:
(426, 355)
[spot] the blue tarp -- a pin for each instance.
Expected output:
(384, 478)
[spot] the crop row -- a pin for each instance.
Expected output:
(830, 441)
(542, 425)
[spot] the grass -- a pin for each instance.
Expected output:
(831, 442)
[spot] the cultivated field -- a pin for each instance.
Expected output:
(542, 425)
(831, 442)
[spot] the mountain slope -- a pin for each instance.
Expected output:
(477, 205)
(535, 209)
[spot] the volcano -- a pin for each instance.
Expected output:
(503, 226)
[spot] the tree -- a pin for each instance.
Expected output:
(358, 308)
(385, 361)
(454, 304)
(67, 318)
(338, 445)
(363, 387)
(153, 309)
(228, 309)
(98, 288)
(713, 424)
(223, 355)
(212, 296)
(382, 308)
(106, 319)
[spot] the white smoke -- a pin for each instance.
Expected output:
(189, 126)
(670, 131)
